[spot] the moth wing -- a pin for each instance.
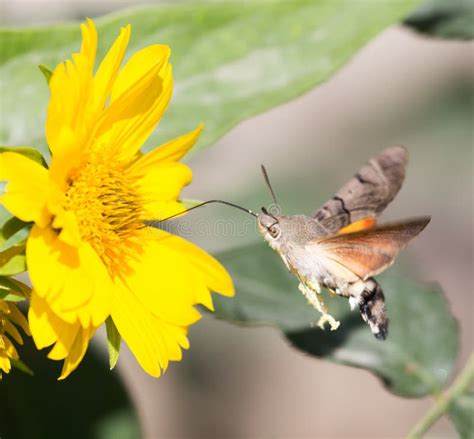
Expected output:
(368, 253)
(367, 194)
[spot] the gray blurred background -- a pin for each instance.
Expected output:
(248, 383)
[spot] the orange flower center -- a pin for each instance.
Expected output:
(108, 210)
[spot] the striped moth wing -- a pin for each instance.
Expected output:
(367, 194)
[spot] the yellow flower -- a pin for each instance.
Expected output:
(10, 315)
(89, 254)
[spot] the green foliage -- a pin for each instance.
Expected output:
(445, 19)
(14, 232)
(13, 290)
(13, 261)
(230, 60)
(461, 413)
(416, 359)
(91, 403)
(19, 365)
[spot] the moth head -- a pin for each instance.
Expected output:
(269, 225)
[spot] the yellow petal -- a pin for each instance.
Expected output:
(5, 364)
(70, 234)
(70, 111)
(138, 66)
(160, 187)
(77, 352)
(27, 189)
(162, 280)
(11, 329)
(89, 41)
(108, 69)
(63, 344)
(10, 349)
(212, 273)
(4, 306)
(160, 179)
(18, 318)
(46, 327)
(169, 152)
(74, 281)
(137, 103)
(153, 341)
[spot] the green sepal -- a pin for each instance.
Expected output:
(18, 364)
(27, 151)
(47, 73)
(113, 342)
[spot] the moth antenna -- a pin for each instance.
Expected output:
(156, 223)
(267, 181)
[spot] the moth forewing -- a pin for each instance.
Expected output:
(366, 194)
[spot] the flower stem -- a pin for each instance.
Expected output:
(441, 406)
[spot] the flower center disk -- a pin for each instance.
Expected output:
(107, 209)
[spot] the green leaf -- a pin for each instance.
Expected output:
(231, 60)
(461, 412)
(91, 403)
(416, 359)
(445, 19)
(14, 232)
(31, 153)
(13, 261)
(113, 342)
(13, 290)
(47, 73)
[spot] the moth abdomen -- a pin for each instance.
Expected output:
(373, 309)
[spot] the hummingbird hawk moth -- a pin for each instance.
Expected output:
(340, 247)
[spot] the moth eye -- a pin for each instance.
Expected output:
(274, 232)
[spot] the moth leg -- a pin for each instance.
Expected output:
(354, 291)
(330, 285)
(312, 294)
(313, 286)
(343, 290)
(371, 300)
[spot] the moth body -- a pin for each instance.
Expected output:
(340, 247)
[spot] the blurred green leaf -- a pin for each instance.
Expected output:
(13, 261)
(445, 19)
(461, 412)
(18, 364)
(12, 227)
(113, 342)
(416, 359)
(14, 232)
(91, 403)
(230, 60)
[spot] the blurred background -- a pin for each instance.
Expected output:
(400, 89)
